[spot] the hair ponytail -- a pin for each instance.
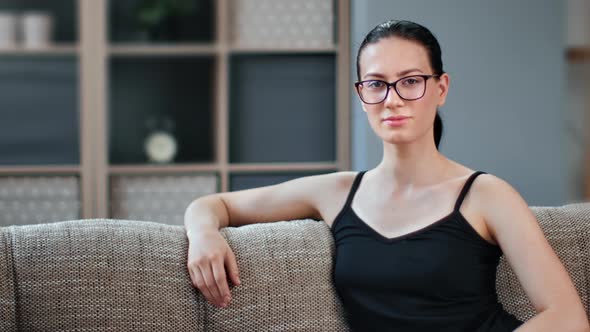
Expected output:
(438, 129)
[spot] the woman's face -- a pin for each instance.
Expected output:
(389, 60)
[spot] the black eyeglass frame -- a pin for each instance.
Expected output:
(394, 85)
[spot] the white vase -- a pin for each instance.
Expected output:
(37, 29)
(8, 28)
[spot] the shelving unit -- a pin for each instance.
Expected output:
(578, 54)
(245, 110)
(41, 160)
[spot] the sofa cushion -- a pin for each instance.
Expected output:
(104, 275)
(567, 229)
(286, 274)
(7, 286)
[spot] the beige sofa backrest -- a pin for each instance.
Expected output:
(118, 275)
(567, 229)
(108, 275)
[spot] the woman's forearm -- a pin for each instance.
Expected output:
(556, 320)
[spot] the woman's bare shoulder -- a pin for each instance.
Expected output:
(490, 185)
(332, 185)
(491, 193)
(332, 190)
(341, 179)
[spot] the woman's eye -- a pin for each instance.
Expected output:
(410, 81)
(375, 84)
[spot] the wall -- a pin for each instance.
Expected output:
(505, 113)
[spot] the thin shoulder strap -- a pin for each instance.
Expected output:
(355, 186)
(465, 189)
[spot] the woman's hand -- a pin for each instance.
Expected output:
(210, 260)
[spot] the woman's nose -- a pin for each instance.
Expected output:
(392, 98)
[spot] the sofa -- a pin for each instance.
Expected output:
(123, 275)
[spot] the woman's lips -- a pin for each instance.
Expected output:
(396, 121)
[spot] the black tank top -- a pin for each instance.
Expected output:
(439, 278)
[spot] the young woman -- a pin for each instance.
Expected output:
(426, 231)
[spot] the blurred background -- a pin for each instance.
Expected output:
(132, 108)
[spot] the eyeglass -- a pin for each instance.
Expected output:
(409, 88)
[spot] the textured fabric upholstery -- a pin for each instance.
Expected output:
(7, 286)
(121, 275)
(567, 228)
(286, 275)
(103, 275)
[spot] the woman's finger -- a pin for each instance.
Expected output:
(232, 267)
(207, 273)
(221, 281)
(199, 282)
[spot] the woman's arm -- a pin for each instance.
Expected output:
(540, 272)
(210, 259)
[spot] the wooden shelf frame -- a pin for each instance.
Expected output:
(282, 50)
(56, 49)
(40, 170)
(162, 169)
(94, 51)
(162, 49)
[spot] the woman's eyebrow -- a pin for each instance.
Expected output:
(407, 71)
(377, 75)
(399, 74)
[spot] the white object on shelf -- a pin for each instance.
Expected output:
(37, 29)
(8, 30)
(578, 23)
(160, 147)
(283, 23)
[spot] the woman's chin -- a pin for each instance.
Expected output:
(395, 139)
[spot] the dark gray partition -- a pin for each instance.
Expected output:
(190, 20)
(253, 180)
(39, 110)
(64, 15)
(147, 90)
(282, 108)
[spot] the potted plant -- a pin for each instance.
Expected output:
(158, 19)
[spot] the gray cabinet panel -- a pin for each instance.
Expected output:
(161, 198)
(282, 108)
(38, 199)
(187, 21)
(39, 111)
(144, 91)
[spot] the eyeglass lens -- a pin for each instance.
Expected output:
(409, 88)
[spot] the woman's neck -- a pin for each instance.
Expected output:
(406, 167)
